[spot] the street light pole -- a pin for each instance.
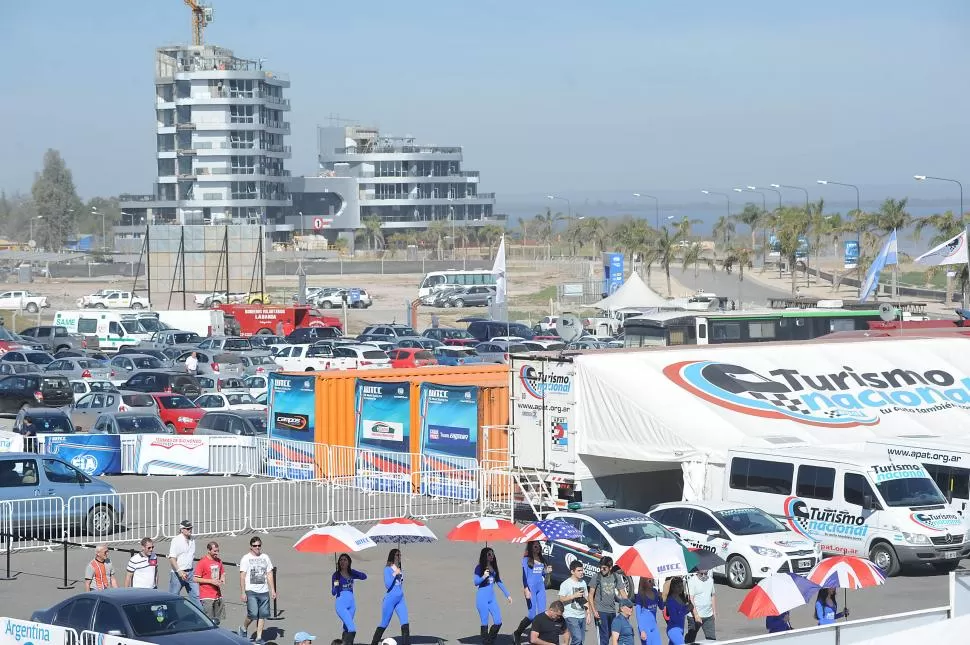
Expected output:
(32, 228)
(793, 188)
(965, 230)
(656, 204)
(724, 195)
(569, 206)
(858, 230)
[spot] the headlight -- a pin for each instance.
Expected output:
(766, 552)
(966, 538)
(186, 419)
(915, 538)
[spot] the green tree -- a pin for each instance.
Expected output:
(373, 232)
(490, 234)
(56, 201)
(435, 235)
(891, 216)
(791, 227)
(664, 250)
(724, 230)
(635, 237)
(742, 258)
(694, 254)
(544, 225)
(751, 217)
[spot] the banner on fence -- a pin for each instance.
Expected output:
(383, 410)
(171, 455)
(292, 423)
(449, 439)
(11, 441)
(22, 632)
(92, 454)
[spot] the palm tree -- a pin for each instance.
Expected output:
(724, 229)
(790, 229)
(891, 216)
(664, 251)
(684, 226)
(694, 255)
(373, 232)
(595, 231)
(435, 235)
(524, 225)
(545, 227)
(741, 257)
(751, 217)
(947, 226)
(490, 234)
(633, 237)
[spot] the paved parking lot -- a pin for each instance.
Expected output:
(439, 588)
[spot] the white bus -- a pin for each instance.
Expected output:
(436, 280)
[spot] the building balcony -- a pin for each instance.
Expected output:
(370, 178)
(481, 198)
(406, 153)
(240, 174)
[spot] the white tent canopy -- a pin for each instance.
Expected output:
(634, 292)
(694, 404)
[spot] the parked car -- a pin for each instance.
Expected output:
(89, 407)
(454, 356)
(45, 421)
(129, 423)
(219, 344)
(335, 299)
(184, 340)
(23, 301)
(389, 332)
(411, 357)
(117, 300)
(383, 345)
(87, 301)
(18, 368)
(228, 401)
(497, 351)
(478, 296)
(145, 615)
(262, 398)
(123, 366)
(309, 358)
(418, 342)
(86, 386)
(256, 384)
(79, 368)
(35, 357)
(95, 354)
(179, 413)
(753, 544)
(55, 338)
(450, 335)
(265, 341)
(302, 335)
(249, 423)
(163, 355)
(23, 390)
(485, 330)
(258, 363)
(152, 381)
(362, 357)
(216, 362)
(544, 345)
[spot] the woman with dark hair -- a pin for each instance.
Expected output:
(827, 607)
(534, 571)
(342, 588)
(646, 601)
(676, 609)
(393, 599)
(486, 578)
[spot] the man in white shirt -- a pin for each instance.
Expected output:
(703, 596)
(192, 364)
(574, 595)
(256, 587)
(181, 555)
(143, 567)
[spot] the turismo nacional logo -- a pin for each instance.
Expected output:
(844, 399)
(538, 384)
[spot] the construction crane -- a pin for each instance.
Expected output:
(201, 16)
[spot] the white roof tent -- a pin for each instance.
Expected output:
(634, 292)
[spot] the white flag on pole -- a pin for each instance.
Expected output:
(953, 251)
(498, 270)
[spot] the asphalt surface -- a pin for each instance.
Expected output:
(438, 588)
(724, 284)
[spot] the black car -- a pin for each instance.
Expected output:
(246, 423)
(450, 335)
(311, 334)
(146, 615)
(45, 421)
(485, 330)
(163, 381)
(23, 390)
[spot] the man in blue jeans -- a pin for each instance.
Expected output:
(181, 556)
(606, 589)
(573, 593)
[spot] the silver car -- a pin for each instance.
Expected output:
(218, 364)
(18, 368)
(124, 365)
(91, 406)
(497, 351)
(87, 386)
(79, 368)
(226, 344)
(258, 364)
(129, 423)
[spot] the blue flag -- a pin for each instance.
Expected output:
(887, 255)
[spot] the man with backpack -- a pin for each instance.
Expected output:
(606, 588)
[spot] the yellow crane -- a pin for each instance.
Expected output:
(201, 16)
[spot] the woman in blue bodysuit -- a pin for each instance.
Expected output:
(342, 587)
(486, 578)
(676, 609)
(827, 607)
(534, 571)
(646, 601)
(393, 599)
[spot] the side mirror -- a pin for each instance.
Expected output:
(867, 502)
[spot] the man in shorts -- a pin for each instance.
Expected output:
(210, 574)
(256, 586)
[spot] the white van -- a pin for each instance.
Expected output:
(113, 329)
(854, 503)
(946, 460)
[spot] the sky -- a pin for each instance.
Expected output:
(581, 99)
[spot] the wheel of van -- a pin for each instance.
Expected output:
(446, 304)
(101, 520)
(264, 332)
(738, 572)
(100, 305)
(32, 307)
(257, 301)
(171, 428)
(214, 303)
(459, 303)
(326, 304)
(137, 305)
(883, 555)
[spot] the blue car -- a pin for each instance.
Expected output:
(146, 615)
(454, 356)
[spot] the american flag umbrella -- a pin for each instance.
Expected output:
(547, 531)
(485, 529)
(339, 538)
(777, 594)
(657, 558)
(846, 572)
(401, 530)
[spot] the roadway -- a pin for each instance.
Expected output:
(725, 284)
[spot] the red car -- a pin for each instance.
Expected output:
(178, 412)
(411, 357)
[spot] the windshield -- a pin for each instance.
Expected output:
(238, 344)
(52, 424)
(452, 334)
(185, 338)
(261, 360)
(151, 324)
(240, 399)
(38, 358)
(5, 335)
(147, 363)
(138, 400)
(259, 423)
(133, 327)
(375, 354)
(910, 491)
(176, 402)
(749, 521)
(161, 617)
(627, 531)
(139, 424)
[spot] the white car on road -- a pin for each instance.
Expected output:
(228, 401)
(23, 301)
(752, 543)
(117, 300)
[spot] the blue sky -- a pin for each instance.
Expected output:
(576, 98)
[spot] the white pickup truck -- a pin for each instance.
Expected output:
(87, 301)
(118, 300)
(310, 358)
(22, 301)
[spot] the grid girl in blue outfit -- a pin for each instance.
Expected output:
(342, 588)
(486, 578)
(393, 599)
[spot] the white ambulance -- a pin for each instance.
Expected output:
(113, 329)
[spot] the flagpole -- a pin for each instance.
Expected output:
(966, 242)
(895, 291)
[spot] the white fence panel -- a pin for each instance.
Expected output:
(31, 520)
(342, 461)
(444, 493)
(286, 504)
(297, 459)
(94, 638)
(113, 517)
(236, 456)
(129, 454)
(497, 492)
(213, 510)
(368, 498)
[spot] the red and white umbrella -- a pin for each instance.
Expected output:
(485, 529)
(846, 572)
(401, 530)
(777, 594)
(340, 538)
(655, 558)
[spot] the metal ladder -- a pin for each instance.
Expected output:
(534, 491)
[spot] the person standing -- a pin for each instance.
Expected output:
(100, 574)
(486, 578)
(573, 593)
(549, 627)
(181, 555)
(827, 607)
(342, 588)
(192, 364)
(534, 571)
(210, 575)
(605, 589)
(29, 431)
(393, 599)
(676, 609)
(622, 631)
(256, 587)
(703, 598)
(142, 569)
(647, 601)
